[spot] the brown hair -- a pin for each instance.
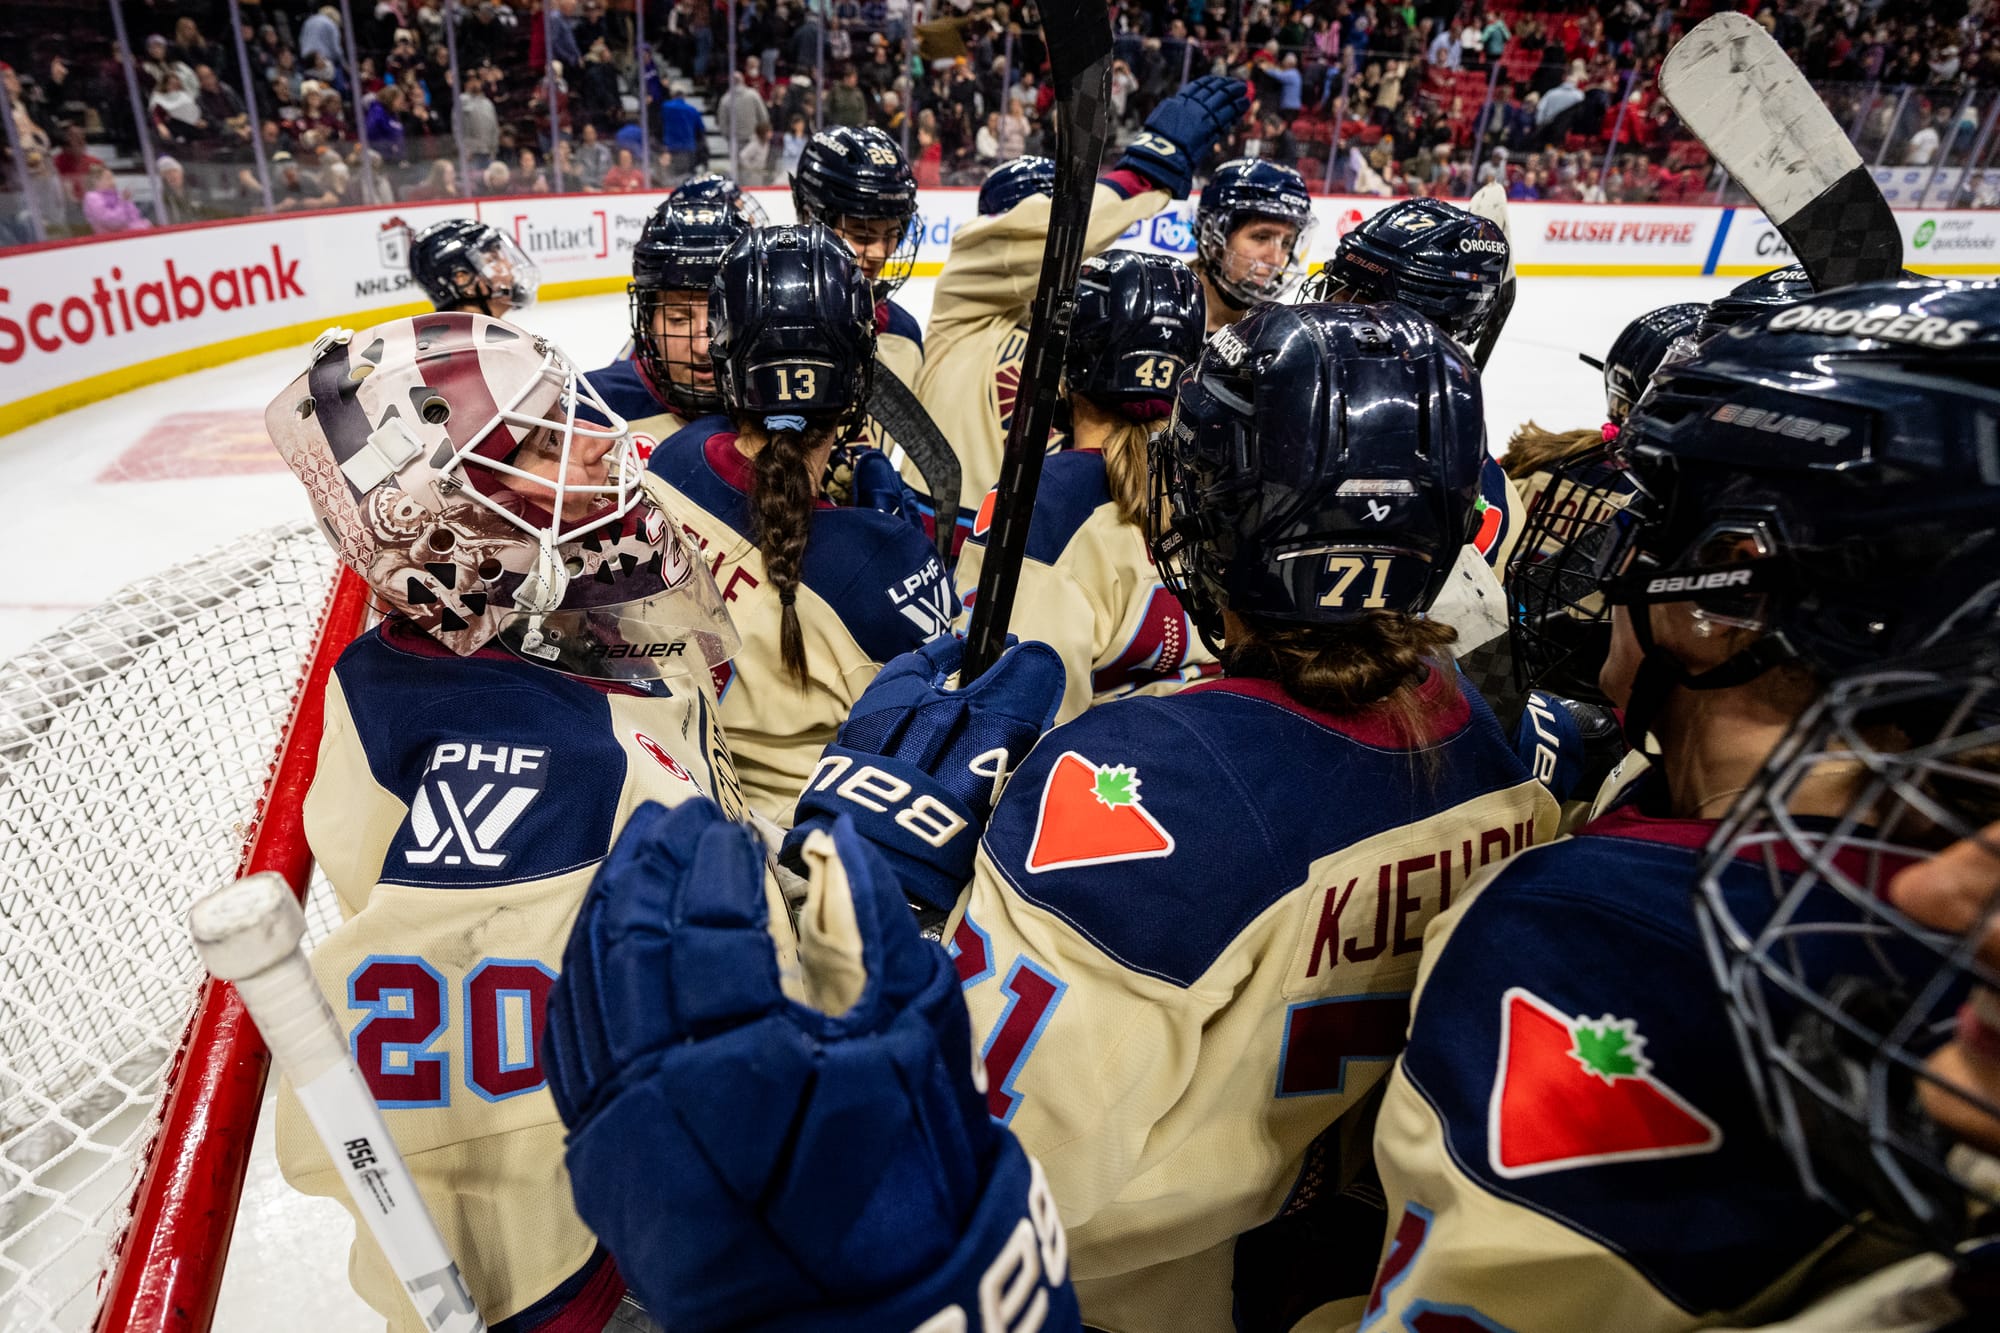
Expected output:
(1532, 448)
(1369, 666)
(781, 504)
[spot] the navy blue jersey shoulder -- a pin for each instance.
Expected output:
(875, 570)
(1601, 926)
(1073, 486)
(1250, 788)
(625, 391)
(512, 772)
(903, 324)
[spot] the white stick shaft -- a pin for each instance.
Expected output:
(249, 933)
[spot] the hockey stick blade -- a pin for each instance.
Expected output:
(1078, 36)
(905, 421)
(249, 934)
(1744, 98)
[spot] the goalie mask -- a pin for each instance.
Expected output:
(446, 464)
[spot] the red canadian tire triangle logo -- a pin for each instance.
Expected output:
(1091, 815)
(1573, 1092)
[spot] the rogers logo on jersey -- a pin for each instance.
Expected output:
(665, 760)
(1091, 816)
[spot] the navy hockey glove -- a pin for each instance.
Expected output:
(918, 766)
(1570, 747)
(786, 1148)
(877, 485)
(1183, 131)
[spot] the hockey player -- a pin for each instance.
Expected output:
(1252, 231)
(472, 266)
(670, 380)
(978, 329)
(1014, 181)
(537, 674)
(1561, 1108)
(715, 188)
(1181, 973)
(856, 181)
(1088, 585)
(821, 595)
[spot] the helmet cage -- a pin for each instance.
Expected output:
(680, 391)
(1263, 281)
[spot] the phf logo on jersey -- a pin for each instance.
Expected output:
(472, 794)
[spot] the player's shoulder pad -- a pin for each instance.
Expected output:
(1074, 487)
(881, 578)
(900, 323)
(1570, 1039)
(1500, 505)
(1205, 785)
(624, 391)
(511, 772)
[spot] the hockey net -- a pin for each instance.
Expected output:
(140, 752)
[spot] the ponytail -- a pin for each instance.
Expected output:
(1370, 666)
(1533, 448)
(781, 505)
(1125, 468)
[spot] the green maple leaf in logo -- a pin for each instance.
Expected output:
(1117, 784)
(1609, 1048)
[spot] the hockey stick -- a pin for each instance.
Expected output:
(1078, 36)
(248, 934)
(1490, 202)
(1752, 107)
(904, 420)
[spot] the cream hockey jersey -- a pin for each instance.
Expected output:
(1570, 1140)
(460, 809)
(1188, 950)
(1089, 590)
(978, 326)
(871, 588)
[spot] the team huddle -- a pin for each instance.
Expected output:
(1378, 887)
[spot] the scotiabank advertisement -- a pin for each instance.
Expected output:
(82, 320)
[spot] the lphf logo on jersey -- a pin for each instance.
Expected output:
(1573, 1092)
(925, 599)
(1091, 815)
(472, 794)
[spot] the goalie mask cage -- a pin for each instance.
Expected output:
(150, 751)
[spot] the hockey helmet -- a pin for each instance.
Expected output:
(1014, 181)
(1241, 192)
(715, 188)
(848, 174)
(680, 250)
(1641, 347)
(460, 262)
(1759, 295)
(1442, 260)
(1323, 463)
(1138, 324)
(791, 326)
(441, 455)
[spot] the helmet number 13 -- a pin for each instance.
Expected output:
(1346, 570)
(799, 384)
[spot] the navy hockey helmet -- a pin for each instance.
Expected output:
(849, 177)
(464, 264)
(1759, 295)
(680, 249)
(1241, 192)
(1444, 261)
(1012, 182)
(1820, 475)
(792, 326)
(1138, 324)
(1640, 349)
(1323, 463)
(714, 188)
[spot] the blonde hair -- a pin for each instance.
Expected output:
(1532, 449)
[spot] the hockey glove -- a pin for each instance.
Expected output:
(877, 485)
(1570, 747)
(919, 765)
(1184, 130)
(785, 1149)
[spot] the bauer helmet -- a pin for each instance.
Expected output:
(714, 188)
(461, 264)
(1439, 259)
(1323, 463)
(857, 181)
(680, 250)
(1241, 192)
(791, 326)
(1760, 295)
(1821, 477)
(1640, 349)
(1013, 181)
(441, 455)
(1138, 325)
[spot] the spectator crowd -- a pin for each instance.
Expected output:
(1429, 97)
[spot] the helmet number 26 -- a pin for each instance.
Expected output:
(1346, 570)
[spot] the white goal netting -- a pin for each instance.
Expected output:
(136, 745)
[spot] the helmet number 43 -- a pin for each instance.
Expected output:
(1346, 569)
